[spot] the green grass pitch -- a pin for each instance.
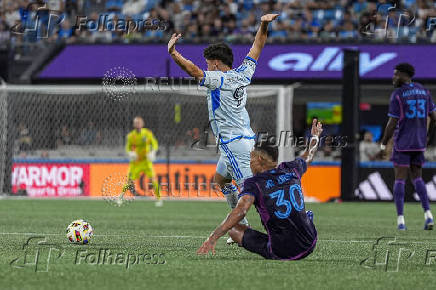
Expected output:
(345, 256)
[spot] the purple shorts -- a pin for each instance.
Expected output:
(407, 158)
(259, 243)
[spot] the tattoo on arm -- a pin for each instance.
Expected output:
(187, 65)
(259, 41)
(234, 217)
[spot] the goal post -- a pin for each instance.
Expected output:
(65, 123)
(5, 160)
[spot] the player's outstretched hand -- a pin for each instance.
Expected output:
(316, 128)
(172, 42)
(208, 245)
(268, 17)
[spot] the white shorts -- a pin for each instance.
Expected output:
(234, 162)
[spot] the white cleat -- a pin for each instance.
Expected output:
(119, 201)
(230, 241)
(159, 203)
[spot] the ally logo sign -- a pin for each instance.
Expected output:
(330, 59)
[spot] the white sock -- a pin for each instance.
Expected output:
(400, 220)
(428, 215)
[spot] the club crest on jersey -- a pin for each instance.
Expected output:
(238, 95)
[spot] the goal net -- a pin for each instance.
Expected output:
(54, 136)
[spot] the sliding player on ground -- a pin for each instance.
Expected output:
(276, 193)
(410, 104)
(226, 98)
(141, 147)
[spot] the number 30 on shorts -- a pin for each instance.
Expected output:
(288, 204)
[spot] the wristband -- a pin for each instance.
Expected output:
(382, 147)
(312, 150)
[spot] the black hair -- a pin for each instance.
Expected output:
(219, 51)
(269, 149)
(406, 68)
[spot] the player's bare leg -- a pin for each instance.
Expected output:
(421, 190)
(230, 191)
(156, 189)
(399, 191)
(130, 185)
(237, 233)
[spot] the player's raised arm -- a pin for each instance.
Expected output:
(314, 141)
(187, 65)
(232, 219)
(261, 35)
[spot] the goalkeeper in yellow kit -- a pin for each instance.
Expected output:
(141, 147)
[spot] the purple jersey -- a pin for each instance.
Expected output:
(411, 104)
(280, 203)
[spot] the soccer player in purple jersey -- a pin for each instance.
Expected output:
(410, 104)
(276, 193)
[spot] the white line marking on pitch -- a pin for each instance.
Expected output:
(107, 235)
(203, 237)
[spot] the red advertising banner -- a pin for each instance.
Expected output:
(50, 179)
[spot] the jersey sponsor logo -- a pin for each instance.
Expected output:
(238, 95)
(330, 59)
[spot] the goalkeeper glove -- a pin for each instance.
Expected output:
(151, 156)
(132, 155)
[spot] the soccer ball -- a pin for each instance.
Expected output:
(79, 232)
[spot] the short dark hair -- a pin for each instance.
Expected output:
(406, 68)
(220, 51)
(269, 149)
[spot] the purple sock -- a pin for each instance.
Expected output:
(422, 192)
(399, 195)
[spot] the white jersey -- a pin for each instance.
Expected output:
(226, 99)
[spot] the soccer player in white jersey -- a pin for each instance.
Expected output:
(226, 99)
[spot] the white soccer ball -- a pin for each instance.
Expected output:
(79, 232)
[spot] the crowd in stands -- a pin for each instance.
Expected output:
(206, 20)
